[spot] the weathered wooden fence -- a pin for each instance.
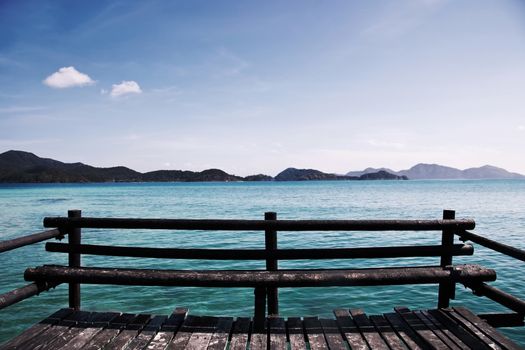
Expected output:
(266, 282)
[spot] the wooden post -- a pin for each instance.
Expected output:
(74, 237)
(259, 312)
(447, 289)
(270, 238)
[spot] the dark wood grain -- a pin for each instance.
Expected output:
(277, 328)
(114, 327)
(332, 334)
(422, 330)
(387, 333)
(240, 333)
(458, 330)
(350, 330)
(220, 337)
(296, 334)
(315, 334)
(367, 329)
(255, 278)
(129, 333)
(18, 341)
(411, 339)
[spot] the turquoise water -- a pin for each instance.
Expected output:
(498, 206)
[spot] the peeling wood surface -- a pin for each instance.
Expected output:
(449, 328)
(254, 278)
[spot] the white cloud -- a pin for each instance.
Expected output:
(125, 88)
(521, 127)
(67, 77)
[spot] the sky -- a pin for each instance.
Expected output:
(258, 86)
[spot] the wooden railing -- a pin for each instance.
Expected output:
(264, 282)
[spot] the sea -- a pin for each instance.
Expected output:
(497, 206)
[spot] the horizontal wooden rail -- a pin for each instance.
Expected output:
(258, 278)
(500, 319)
(256, 225)
(25, 292)
(488, 243)
(259, 254)
(499, 296)
(29, 239)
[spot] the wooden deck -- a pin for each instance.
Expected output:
(450, 328)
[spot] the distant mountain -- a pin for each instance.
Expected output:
(368, 171)
(382, 175)
(18, 166)
(435, 171)
(258, 177)
(432, 171)
(293, 174)
(490, 172)
(25, 167)
(189, 176)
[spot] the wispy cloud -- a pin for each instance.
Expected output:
(521, 127)
(67, 77)
(231, 64)
(20, 109)
(127, 87)
(400, 20)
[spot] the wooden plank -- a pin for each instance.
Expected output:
(219, 339)
(314, 334)
(350, 330)
(388, 333)
(147, 334)
(368, 330)
(296, 333)
(458, 330)
(472, 329)
(240, 332)
(97, 322)
(277, 328)
(182, 337)
(168, 329)
(258, 341)
(176, 319)
(437, 331)
(332, 334)
(411, 339)
(202, 333)
(422, 330)
(107, 334)
(444, 329)
(82, 319)
(51, 333)
(258, 334)
(18, 341)
(503, 341)
(131, 331)
(54, 332)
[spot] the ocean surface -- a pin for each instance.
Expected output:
(498, 206)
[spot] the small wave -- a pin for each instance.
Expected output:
(53, 200)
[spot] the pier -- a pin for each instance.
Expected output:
(442, 327)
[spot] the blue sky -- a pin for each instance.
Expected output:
(257, 86)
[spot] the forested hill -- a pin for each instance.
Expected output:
(25, 167)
